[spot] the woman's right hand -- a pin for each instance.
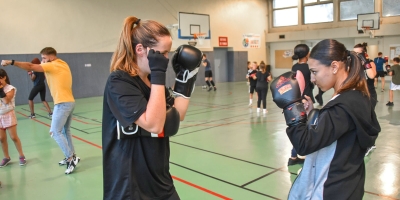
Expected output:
(158, 64)
(308, 104)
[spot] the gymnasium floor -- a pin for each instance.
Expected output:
(223, 150)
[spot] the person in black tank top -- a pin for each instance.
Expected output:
(370, 74)
(38, 87)
(300, 53)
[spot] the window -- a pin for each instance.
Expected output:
(350, 9)
(390, 8)
(285, 13)
(286, 17)
(318, 13)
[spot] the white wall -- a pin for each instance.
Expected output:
(94, 25)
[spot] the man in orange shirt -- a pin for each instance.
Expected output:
(59, 79)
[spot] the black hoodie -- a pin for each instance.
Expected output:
(335, 148)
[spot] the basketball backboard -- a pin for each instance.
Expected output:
(192, 23)
(371, 20)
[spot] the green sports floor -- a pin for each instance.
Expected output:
(224, 150)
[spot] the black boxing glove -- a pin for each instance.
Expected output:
(389, 69)
(364, 61)
(287, 92)
(186, 62)
(158, 64)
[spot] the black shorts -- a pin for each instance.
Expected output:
(380, 74)
(252, 88)
(38, 89)
(208, 74)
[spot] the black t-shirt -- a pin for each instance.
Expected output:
(252, 81)
(39, 80)
(262, 80)
(135, 168)
(307, 76)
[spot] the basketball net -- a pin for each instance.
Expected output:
(368, 29)
(200, 37)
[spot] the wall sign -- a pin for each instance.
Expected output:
(251, 40)
(223, 41)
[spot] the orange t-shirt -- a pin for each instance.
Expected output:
(59, 79)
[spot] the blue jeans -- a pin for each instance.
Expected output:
(60, 127)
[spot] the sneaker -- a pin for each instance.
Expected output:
(5, 162)
(295, 161)
(258, 110)
(215, 89)
(32, 116)
(63, 162)
(265, 111)
(390, 103)
(22, 161)
(382, 90)
(368, 151)
(72, 165)
(50, 115)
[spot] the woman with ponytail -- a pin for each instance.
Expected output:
(135, 102)
(335, 138)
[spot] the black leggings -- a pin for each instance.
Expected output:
(35, 90)
(262, 96)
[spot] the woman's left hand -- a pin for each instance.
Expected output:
(308, 104)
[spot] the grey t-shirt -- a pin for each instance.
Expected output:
(396, 74)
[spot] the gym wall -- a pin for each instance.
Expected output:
(86, 32)
(94, 25)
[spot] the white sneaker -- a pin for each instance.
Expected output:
(258, 110)
(63, 162)
(72, 165)
(265, 111)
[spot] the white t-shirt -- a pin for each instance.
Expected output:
(5, 108)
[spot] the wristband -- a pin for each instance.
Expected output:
(12, 62)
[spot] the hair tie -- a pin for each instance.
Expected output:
(137, 22)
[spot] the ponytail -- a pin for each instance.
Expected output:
(356, 75)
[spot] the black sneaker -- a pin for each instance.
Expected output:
(215, 88)
(209, 89)
(71, 165)
(32, 116)
(295, 161)
(369, 150)
(390, 103)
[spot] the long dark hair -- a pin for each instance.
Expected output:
(300, 51)
(330, 50)
(135, 31)
(3, 74)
